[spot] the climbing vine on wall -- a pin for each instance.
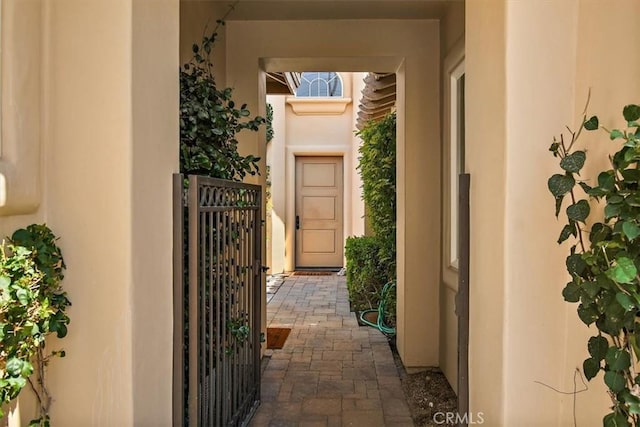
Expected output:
(32, 306)
(604, 258)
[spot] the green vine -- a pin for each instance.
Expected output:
(604, 261)
(239, 331)
(210, 120)
(269, 119)
(32, 306)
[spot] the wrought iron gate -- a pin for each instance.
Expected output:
(217, 301)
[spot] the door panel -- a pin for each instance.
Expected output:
(319, 204)
(318, 174)
(318, 241)
(320, 208)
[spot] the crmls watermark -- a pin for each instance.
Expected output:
(454, 418)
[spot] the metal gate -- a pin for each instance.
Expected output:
(217, 301)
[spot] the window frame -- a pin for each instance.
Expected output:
(337, 75)
(456, 154)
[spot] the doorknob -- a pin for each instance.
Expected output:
(297, 222)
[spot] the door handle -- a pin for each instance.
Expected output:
(297, 222)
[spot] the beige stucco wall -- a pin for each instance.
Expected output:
(520, 94)
(195, 17)
(20, 141)
(452, 42)
(452, 26)
(108, 102)
(21, 158)
(410, 47)
(155, 133)
(543, 78)
(610, 91)
(357, 204)
(90, 207)
(276, 155)
(485, 143)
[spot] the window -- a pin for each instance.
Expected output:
(319, 84)
(456, 154)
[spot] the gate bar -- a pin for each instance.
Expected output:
(178, 302)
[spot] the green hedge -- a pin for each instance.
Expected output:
(365, 273)
(371, 260)
(377, 166)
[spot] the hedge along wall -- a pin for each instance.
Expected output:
(371, 260)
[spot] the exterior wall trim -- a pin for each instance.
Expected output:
(318, 106)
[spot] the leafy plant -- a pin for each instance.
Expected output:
(371, 260)
(270, 135)
(365, 272)
(604, 260)
(238, 333)
(377, 166)
(32, 306)
(210, 120)
(269, 119)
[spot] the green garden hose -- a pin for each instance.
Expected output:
(380, 325)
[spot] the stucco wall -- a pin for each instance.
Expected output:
(485, 143)
(21, 191)
(22, 196)
(610, 91)
(321, 129)
(109, 104)
(276, 154)
(519, 97)
(536, 80)
(452, 42)
(155, 133)
(196, 17)
(88, 160)
(357, 204)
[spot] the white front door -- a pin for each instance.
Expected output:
(319, 200)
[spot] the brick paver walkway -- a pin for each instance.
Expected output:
(331, 372)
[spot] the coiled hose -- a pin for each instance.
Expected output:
(380, 325)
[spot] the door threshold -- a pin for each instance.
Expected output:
(319, 269)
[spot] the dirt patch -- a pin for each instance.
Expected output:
(427, 392)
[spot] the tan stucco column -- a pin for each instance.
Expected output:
(105, 103)
(485, 152)
(410, 48)
(529, 66)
